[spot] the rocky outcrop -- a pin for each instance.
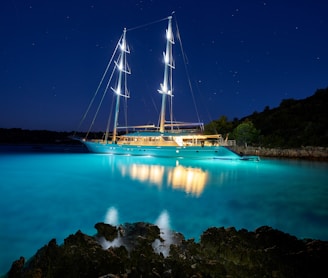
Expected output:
(138, 250)
(310, 153)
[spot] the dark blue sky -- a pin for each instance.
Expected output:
(242, 56)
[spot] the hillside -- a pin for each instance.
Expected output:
(294, 123)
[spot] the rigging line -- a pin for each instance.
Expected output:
(209, 116)
(171, 97)
(126, 114)
(126, 100)
(99, 85)
(109, 119)
(186, 69)
(100, 103)
(147, 24)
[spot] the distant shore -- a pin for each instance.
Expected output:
(308, 153)
(41, 140)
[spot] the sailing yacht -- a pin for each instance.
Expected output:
(170, 138)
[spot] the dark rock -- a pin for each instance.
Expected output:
(264, 252)
(109, 232)
(221, 252)
(139, 234)
(17, 267)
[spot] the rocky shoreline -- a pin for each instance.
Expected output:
(145, 250)
(308, 153)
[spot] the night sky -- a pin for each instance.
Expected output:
(241, 57)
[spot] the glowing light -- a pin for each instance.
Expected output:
(112, 219)
(118, 91)
(164, 88)
(111, 216)
(166, 58)
(169, 34)
(163, 222)
(123, 46)
(120, 66)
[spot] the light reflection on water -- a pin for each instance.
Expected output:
(189, 179)
(45, 196)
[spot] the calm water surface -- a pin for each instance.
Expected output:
(52, 195)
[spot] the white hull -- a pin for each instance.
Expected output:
(190, 152)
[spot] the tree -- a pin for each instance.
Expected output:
(246, 133)
(221, 125)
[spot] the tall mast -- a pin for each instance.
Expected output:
(166, 86)
(121, 89)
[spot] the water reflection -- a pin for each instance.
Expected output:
(163, 222)
(190, 179)
(112, 216)
(143, 172)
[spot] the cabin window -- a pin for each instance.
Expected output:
(167, 138)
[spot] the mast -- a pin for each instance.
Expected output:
(121, 88)
(166, 86)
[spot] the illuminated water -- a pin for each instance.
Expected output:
(52, 195)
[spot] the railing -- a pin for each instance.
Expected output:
(230, 143)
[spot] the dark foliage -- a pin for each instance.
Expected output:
(294, 123)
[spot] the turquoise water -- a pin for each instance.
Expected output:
(52, 195)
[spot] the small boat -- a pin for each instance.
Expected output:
(170, 138)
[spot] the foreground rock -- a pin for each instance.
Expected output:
(145, 250)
